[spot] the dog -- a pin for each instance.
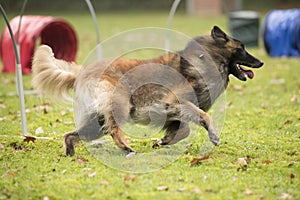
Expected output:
(168, 91)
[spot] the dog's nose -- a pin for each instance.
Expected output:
(261, 64)
(258, 64)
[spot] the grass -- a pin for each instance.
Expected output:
(262, 124)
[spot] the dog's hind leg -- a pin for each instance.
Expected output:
(69, 141)
(91, 129)
(175, 131)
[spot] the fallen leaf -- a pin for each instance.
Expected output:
(86, 169)
(248, 192)
(46, 104)
(69, 123)
(180, 180)
(196, 190)
(277, 81)
(266, 162)
(228, 104)
(18, 147)
(260, 197)
(238, 87)
(288, 122)
(63, 112)
(70, 109)
(64, 171)
(198, 160)
(285, 196)
(7, 81)
(209, 191)
(242, 161)
(248, 159)
(45, 110)
(2, 106)
(29, 139)
(6, 193)
(92, 174)
(292, 176)
(189, 145)
(3, 119)
(104, 182)
(46, 198)
(294, 99)
(1, 147)
(129, 177)
(81, 160)
(39, 130)
(291, 164)
(162, 188)
(180, 189)
(234, 178)
(11, 174)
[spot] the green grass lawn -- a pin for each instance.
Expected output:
(262, 124)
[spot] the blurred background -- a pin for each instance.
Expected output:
(188, 6)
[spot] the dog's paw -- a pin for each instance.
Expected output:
(70, 150)
(157, 144)
(216, 142)
(214, 138)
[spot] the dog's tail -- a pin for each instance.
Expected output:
(52, 76)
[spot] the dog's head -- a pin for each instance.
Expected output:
(234, 51)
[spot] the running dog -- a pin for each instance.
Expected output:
(171, 90)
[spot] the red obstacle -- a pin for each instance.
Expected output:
(56, 33)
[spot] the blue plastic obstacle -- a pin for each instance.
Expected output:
(281, 33)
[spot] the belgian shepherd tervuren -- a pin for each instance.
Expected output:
(171, 90)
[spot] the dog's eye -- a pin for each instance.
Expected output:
(240, 50)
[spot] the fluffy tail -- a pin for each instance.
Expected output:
(51, 76)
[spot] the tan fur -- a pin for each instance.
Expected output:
(51, 76)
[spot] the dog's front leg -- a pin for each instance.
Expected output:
(208, 124)
(190, 112)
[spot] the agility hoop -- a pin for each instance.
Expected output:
(20, 88)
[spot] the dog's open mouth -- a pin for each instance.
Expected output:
(241, 72)
(245, 72)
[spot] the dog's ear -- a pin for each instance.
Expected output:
(218, 34)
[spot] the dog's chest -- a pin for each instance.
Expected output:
(207, 91)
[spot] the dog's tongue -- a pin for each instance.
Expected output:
(248, 72)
